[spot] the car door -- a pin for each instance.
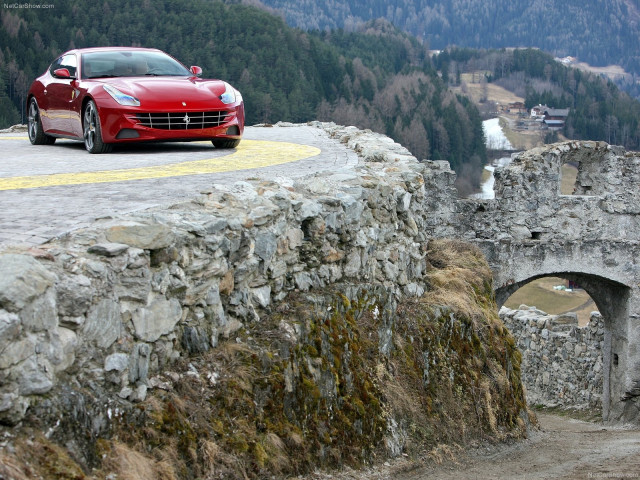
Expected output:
(59, 93)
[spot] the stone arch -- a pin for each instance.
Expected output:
(532, 230)
(612, 300)
(606, 293)
(540, 170)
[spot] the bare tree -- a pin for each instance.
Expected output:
(484, 89)
(21, 90)
(611, 128)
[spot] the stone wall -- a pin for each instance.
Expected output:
(561, 362)
(529, 204)
(258, 330)
(108, 308)
(111, 306)
(531, 230)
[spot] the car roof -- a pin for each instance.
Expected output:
(111, 49)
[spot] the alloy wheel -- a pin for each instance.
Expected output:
(89, 126)
(32, 121)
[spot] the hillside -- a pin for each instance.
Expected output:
(598, 110)
(599, 32)
(374, 77)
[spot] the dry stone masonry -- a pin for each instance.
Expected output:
(562, 362)
(530, 230)
(108, 308)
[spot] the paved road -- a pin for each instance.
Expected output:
(46, 191)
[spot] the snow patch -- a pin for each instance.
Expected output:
(494, 136)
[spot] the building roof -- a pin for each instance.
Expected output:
(557, 112)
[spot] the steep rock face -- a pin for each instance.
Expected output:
(259, 328)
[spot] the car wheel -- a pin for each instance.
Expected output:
(92, 132)
(225, 142)
(34, 126)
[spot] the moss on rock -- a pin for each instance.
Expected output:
(342, 376)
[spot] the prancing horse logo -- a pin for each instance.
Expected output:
(186, 119)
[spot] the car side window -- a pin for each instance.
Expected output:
(66, 61)
(55, 65)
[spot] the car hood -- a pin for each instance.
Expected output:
(172, 93)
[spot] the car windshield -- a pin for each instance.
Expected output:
(130, 63)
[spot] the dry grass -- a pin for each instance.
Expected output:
(36, 457)
(128, 464)
(216, 461)
(474, 90)
(455, 374)
(443, 452)
(13, 469)
(614, 72)
(569, 174)
(460, 278)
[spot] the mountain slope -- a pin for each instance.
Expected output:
(598, 110)
(599, 32)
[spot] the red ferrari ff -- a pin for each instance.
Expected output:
(110, 95)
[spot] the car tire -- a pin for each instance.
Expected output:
(225, 142)
(91, 130)
(34, 126)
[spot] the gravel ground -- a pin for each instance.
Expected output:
(561, 449)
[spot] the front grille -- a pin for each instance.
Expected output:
(182, 120)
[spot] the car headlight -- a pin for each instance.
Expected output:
(229, 95)
(121, 98)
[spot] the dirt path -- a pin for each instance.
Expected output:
(563, 449)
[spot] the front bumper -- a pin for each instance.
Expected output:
(120, 125)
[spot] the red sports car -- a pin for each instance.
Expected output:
(110, 95)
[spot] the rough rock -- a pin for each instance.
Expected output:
(150, 237)
(561, 364)
(23, 279)
(156, 319)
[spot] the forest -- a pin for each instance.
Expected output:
(599, 32)
(377, 78)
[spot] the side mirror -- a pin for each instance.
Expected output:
(197, 71)
(62, 73)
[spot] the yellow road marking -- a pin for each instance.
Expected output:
(13, 138)
(249, 154)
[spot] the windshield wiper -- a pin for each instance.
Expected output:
(167, 74)
(104, 76)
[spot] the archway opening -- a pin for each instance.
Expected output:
(564, 363)
(580, 178)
